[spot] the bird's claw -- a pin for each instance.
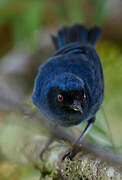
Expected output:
(70, 154)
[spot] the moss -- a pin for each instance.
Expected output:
(47, 174)
(87, 167)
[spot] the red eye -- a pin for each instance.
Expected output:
(60, 98)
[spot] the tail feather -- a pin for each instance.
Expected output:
(54, 40)
(76, 33)
(93, 35)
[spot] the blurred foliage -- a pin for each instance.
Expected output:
(26, 17)
(12, 171)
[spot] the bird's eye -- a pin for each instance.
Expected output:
(60, 97)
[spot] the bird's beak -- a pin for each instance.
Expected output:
(76, 106)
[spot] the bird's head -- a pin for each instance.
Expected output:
(64, 99)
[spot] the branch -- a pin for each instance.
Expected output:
(91, 161)
(84, 165)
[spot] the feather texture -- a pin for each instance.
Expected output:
(76, 33)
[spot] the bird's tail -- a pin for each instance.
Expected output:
(76, 33)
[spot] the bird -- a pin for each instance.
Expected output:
(69, 86)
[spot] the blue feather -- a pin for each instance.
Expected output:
(76, 33)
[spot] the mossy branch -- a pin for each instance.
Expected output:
(84, 166)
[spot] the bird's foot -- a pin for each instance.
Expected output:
(71, 153)
(42, 153)
(50, 140)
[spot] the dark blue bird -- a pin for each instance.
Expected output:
(69, 87)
